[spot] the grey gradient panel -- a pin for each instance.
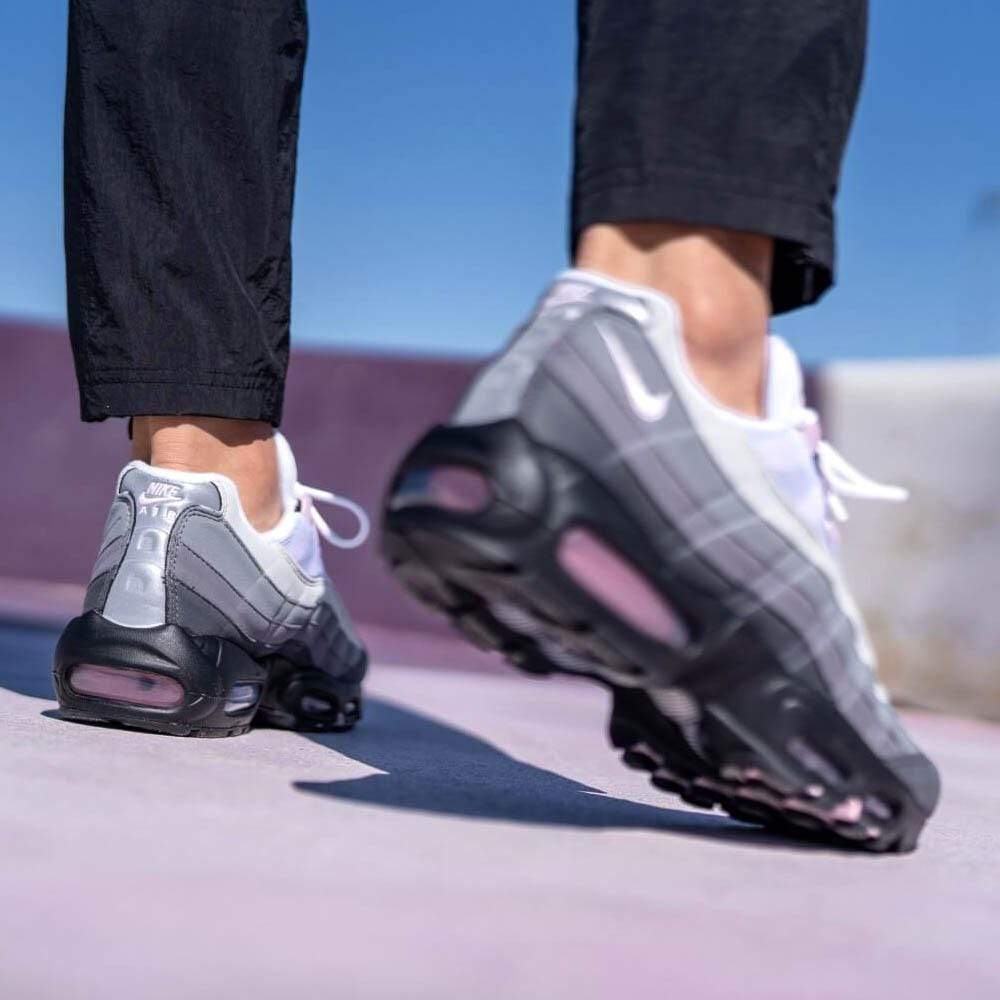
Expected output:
(114, 540)
(208, 559)
(199, 617)
(190, 573)
(214, 547)
(215, 587)
(555, 417)
(497, 392)
(333, 604)
(114, 543)
(97, 592)
(329, 641)
(676, 473)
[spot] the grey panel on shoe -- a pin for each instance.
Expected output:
(332, 609)
(114, 543)
(557, 417)
(321, 640)
(215, 544)
(330, 638)
(114, 539)
(200, 617)
(216, 587)
(497, 392)
(110, 556)
(97, 592)
(783, 591)
(549, 406)
(208, 559)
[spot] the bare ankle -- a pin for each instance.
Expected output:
(243, 450)
(720, 280)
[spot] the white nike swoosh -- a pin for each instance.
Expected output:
(648, 406)
(144, 500)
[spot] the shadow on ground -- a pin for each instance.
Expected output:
(433, 767)
(26, 660)
(430, 766)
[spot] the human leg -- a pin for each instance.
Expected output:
(208, 604)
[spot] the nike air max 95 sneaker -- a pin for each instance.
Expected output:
(590, 509)
(194, 622)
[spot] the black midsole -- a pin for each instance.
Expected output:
(208, 669)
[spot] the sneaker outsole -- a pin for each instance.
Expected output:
(305, 699)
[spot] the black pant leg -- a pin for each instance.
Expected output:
(180, 142)
(729, 114)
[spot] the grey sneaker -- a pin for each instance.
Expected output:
(194, 622)
(590, 509)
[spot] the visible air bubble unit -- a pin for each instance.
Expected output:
(452, 487)
(618, 585)
(241, 697)
(132, 687)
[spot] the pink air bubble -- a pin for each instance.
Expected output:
(617, 584)
(133, 687)
(453, 487)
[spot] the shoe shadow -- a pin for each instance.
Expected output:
(26, 660)
(432, 767)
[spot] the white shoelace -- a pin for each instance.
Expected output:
(309, 495)
(840, 477)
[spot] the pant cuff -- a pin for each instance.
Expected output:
(804, 244)
(257, 400)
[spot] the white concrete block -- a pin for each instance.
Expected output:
(926, 573)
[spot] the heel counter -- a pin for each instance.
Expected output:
(498, 390)
(135, 591)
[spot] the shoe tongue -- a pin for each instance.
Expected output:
(288, 473)
(784, 393)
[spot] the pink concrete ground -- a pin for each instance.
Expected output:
(473, 838)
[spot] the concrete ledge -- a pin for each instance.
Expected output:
(926, 573)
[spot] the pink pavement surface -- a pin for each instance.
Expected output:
(474, 837)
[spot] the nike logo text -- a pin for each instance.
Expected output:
(160, 494)
(648, 406)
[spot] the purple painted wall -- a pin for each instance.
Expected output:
(348, 416)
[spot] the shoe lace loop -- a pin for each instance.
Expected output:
(309, 495)
(840, 478)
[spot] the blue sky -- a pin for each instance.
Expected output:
(434, 160)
